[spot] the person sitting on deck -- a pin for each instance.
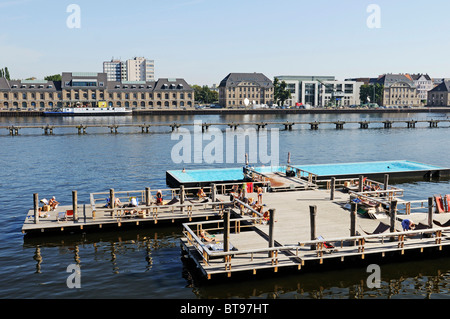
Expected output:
(206, 237)
(201, 194)
(133, 202)
(53, 203)
(408, 225)
(117, 202)
(159, 197)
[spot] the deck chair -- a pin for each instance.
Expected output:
(439, 204)
(438, 223)
(65, 215)
(173, 201)
(381, 228)
(329, 248)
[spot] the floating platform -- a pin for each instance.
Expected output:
(256, 247)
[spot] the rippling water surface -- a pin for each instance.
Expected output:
(146, 263)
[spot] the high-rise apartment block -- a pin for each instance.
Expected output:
(136, 69)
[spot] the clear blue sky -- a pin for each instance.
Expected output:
(204, 40)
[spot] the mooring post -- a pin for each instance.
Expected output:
(75, 205)
(386, 181)
(148, 198)
(36, 208)
(353, 211)
(333, 185)
(392, 214)
(312, 214)
(182, 197)
(226, 231)
(271, 225)
(430, 212)
(112, 201)
(360, 185)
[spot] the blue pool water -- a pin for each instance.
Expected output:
(367, 168)
(232, 174)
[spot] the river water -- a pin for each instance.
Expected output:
(147, 263)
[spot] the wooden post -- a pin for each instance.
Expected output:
(36, 208)
(182, 197)
(333, 185)
(148, 197)
(430, 212)
(312, 214)
(392, 214)
(213, 192)
(112, 200)
(354, 209)
(360, 185)
(386, 181)
(75, 205)
(271, 225)
(226, 231)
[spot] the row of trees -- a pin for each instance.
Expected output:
(204, 95)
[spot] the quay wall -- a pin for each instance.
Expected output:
(254, 111)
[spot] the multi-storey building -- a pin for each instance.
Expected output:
(399, 90)
(92, 88)
(440, 95)
(136, 69)
(140, 69)
(116, 70)
(423, 83)
(236, 88)
(318, 91)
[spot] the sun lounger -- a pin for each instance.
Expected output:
(329, 248)
(381, 228)
(439, 204)
(446, 224)
(65, 215)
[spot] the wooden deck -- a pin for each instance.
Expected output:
(89, 219)
(292, 236)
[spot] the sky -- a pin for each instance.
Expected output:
(203, 41)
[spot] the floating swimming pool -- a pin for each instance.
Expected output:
(402, 169)
(367, 168)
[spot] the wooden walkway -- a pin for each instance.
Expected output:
(291, 235)
(49, 129)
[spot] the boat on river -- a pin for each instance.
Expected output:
(87, 111)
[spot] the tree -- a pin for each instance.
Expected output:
(55, 77)
(7, 74)
(373, 91)
(205, 95)
(280, 91)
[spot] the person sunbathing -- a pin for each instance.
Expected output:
(53, 203)
(201, 194)
(206, 237)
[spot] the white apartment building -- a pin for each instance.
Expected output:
(140, 69)
(424, 84)
(319, 91)
(115, 70)
(136, 69)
